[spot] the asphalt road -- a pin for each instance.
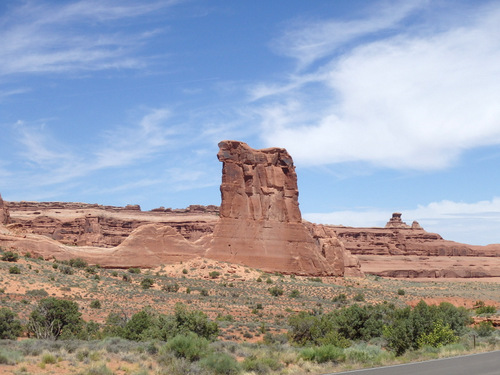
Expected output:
(475, 364)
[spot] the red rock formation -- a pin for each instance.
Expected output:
(148, 246)
(104, 226)
(4, 212)
(260, 222)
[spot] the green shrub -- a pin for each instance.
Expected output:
(78, 263)
(10, 327)
(10, 256)
(360, 297)
(134, 270)
(275, 291)
(67, 270)
(294, 294)
(221, 364)
(401, 292)
(262, 365)
(189, 346)
(138, 324)
(439, 335)
(341, 298)
(185, 271)
(484, 329)
(147, 283)
(48, 359)
(52, 317)
(363, 353)
(482, 308)
(14, 270)
(95, 304)
(214, 274)
(322, 354)
(195, 321)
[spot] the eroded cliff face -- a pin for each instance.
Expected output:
(260, 222)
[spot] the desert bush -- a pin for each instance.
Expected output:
(53, 317)
(67, 270)
(484, 329)
(261, 365)
(360, 297)
(10, 327)
(341, 298)
(147, 283)
(78, 263)
(189, 346)
(49, 359)
(294, 294)
(401, 292)
(214, 274)
(14, 270)
(138, 324)
(425, 325)
(221, 364)
(276, 291)
(481, 308)
(95, 304)
(322, 354)
(9, 356)
(195, 321)
(439, 335)
(10, 256)
(364, 353)
(171, 288)
(134, 270)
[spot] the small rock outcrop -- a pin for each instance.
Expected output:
(396, 222)
(260, 222)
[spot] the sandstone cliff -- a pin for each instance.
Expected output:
(260, 222)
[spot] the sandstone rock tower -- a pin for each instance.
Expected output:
(260, 223)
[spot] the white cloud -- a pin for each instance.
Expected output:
(32, 41)
(308, 42)
(126, 145)
(475, 223)
(412, 98)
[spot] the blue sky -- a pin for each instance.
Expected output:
(384, 105)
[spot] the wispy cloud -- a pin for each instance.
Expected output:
(311, 40)
(394, 95)
(32, 41)
(126, 145)
(47, 161)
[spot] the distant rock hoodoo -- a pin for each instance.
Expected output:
(260, 222)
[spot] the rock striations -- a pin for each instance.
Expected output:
(260, 222)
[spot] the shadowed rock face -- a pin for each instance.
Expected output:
(260, 222)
